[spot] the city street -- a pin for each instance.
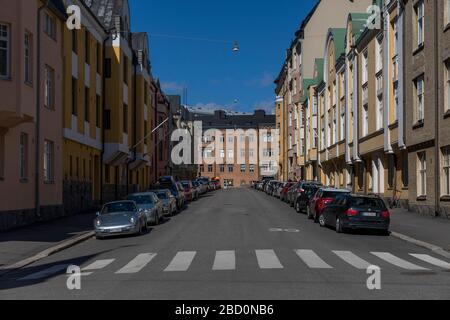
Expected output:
(236, 244)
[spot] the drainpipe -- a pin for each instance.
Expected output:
(38, 113)
(437, 109)
(133, 159)
(103, 116)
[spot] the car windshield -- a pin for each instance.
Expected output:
(310, 189)
(186, 185)
(372, 203)
(118, 207)
(332, 194)
(162, 195)
(141, 199)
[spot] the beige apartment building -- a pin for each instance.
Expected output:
(427, 87)
(298, 66)
(245, 147)
(31, 74)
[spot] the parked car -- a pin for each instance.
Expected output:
(150, 205)
(169, 182)
(270, 187)
(322, 198)
(284, 191)
(189, 191)
(203, 188)
(169, 202)
(119, 218)
(290, 193)
(197, 189)
(303, 194)
(356, 212)
(182, 195)
(278, 188)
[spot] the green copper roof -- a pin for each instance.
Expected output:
(338, 35)
(307, 83)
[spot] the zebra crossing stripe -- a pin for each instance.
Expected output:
(224, 261)
(353, 259)
(432, 260)
(312, 260)
(181, 262)
(45, 273)
(98, 265)
(267, 259)
(390, 258)
(137, 264)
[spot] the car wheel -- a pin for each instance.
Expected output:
(308, 213)
(339, 228)
(322, 220)
(157, 219)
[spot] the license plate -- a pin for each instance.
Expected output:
(369, 214)
(115, 230)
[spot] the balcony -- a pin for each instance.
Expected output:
(10, 119)
(117, 153)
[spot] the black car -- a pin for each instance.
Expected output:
(303, 194)
(169, 183)
(356, 212)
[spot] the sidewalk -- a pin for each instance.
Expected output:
(434, 231)
(17, 245)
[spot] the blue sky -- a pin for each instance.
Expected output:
(214, 76)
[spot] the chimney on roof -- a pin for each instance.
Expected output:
(220, 114)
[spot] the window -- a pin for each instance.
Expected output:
(87, 47)
(252, 168)
(4, 51)
(23, 156)
(446, 171)
(49, 157)
(380, 112)
(75, 41)
(49, 87)
(107, 120)
(98, 109)
(125, 70)
(396, 101)
(448, 12)
(365, 122)
(290, 141)
(125, 119)
(210, 168)
(243, 168)
(342, 124)
(421, 174)
(222, 154)
(50, 26)
(447, 84)
(99, 58)
(420, 17)
(74, 96)
(202, 168)
(242, 153)
(420, 107)
(365, 71)
(222, 168)
(314, 139)
(230, 168)
(379, 53)
(86, 104)
(27, 58)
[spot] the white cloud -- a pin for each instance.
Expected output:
(172, 87)
(263, 81)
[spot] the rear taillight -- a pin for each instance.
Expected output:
(352, 213)
(300, 190)
(322, 203)
(385, 214)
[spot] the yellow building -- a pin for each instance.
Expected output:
(282, 123)
(82, 118)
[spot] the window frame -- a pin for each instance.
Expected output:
(28, 58)
(23, 157)
(7, 40)
(49, 87)
(49, 162)
(421, 174)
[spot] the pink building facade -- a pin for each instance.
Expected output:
(30, 111)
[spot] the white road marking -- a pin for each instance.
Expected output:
(137, 264)
(432, 260)
(46, 273)
(98, 265)
(225, 260)
(267, 259)
(353, 259)
(312, 260)
(397, 261)
(181, 262)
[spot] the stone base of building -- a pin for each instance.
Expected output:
(112, 192)
(429, 210)
(77, 197)
(20, 218)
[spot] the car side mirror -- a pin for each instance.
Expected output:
(97, 214)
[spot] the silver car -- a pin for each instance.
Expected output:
(119, 218)
(149, 204)
(169, 202)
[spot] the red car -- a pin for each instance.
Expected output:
(188, 190)
(284, 192)
(321, 200)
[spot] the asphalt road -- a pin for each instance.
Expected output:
(236, 244)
